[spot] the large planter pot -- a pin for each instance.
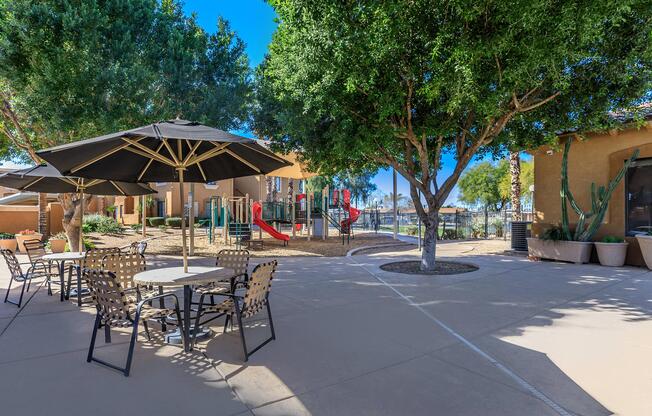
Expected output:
(645, 243)
(21, 238)
(8, 244)
(57, 245)
(572, 251)
(611, 254)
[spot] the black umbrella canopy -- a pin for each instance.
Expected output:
(157, 152)
(45, 178)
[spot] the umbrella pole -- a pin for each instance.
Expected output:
(143, 207)
(81, 223)
(183, 222)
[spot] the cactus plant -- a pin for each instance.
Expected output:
(599, 201)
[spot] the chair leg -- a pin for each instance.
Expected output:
(242, 335)
(146, 327)
(79, 286)
(161, 303)
(89, 358)
(8, 289)
(177, 312)
(107, 334)
(196, 328)
(271, 322)
(132, 344)
(69, 282)
(22, 291)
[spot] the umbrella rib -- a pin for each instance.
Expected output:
(71, 182)
(118, 188)
(148, 153)
(219, 149)
(202, 172)
(103, 155)
(174, 157)
(94, 182)
(33, 182)
(192, 151)
(149, 163)
(242, 160)
(270, 154)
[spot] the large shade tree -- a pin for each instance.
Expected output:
(76, 69)
(398, 83)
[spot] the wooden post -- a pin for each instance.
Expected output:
(293, 207)
(308, 197)
(324, 204)
(191, 218)
(225, 219)
(143, 209)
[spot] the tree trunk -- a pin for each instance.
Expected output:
(268, 186)
(43, 215)
(71, 204)
(428, 253)
(515, 172)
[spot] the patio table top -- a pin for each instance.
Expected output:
(175, 276)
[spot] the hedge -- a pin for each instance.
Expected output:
(173, 222)
(155, 221)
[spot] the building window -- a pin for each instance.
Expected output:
(638, 197)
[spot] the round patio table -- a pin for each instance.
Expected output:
(175, 276)
(61, 259)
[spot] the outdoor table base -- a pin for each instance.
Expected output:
(175, 277)
(60, 259)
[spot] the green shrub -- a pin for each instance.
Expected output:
(7, 236)
(155, 221)
(87, 245)
(554, 233)
(612, 239)
(412, 230)
(173, 222)
(135, 227)
(96, 223)
(163, 228)
(449, 235)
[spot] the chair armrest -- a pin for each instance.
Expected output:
(140, 304)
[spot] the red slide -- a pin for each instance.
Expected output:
(257, 210)
(354, 213)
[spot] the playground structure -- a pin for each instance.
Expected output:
(310, 215)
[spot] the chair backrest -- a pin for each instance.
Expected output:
(124, 266)
(94, 256)
(12, 264)
(35, 250)
(108, 296)
(138, 247)
(260, 283)
(238, 260)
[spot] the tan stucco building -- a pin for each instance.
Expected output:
(597, 159)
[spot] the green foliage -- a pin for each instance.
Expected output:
(173, 222)
(317, 183)
(554, 233)
(527, 179)
(70, 70)
(97, 223)
(599, 200)
(136, 227)
(163, 228)
(88, 245)
(499, 227)
(412, 230)
(7, 236)
(480, 185)
(360, 185)
(155, 221)
(110, 209)
(449, 235)
(61, 235)
(612, 239)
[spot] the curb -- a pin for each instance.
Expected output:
(354, 251)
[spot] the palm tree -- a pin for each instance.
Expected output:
(515, 194)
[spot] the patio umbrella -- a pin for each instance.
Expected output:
(46, 178)
(167, 151)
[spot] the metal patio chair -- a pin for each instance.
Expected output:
(254, 300)
(35, 251)
(125, 266)
(92, 260)
(114, 310)
(238, 260)
(17, 275)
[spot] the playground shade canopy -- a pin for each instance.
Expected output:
(297, 170)
(45, 178)
(166, 151)
(159, 151)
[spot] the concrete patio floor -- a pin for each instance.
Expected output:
(514, 338)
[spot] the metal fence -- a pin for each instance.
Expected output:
(461, 224)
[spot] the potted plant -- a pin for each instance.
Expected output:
(612, 251)
(26, 235)
(562, 243)
(57, 242)
(645, 244)
(7, 241)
